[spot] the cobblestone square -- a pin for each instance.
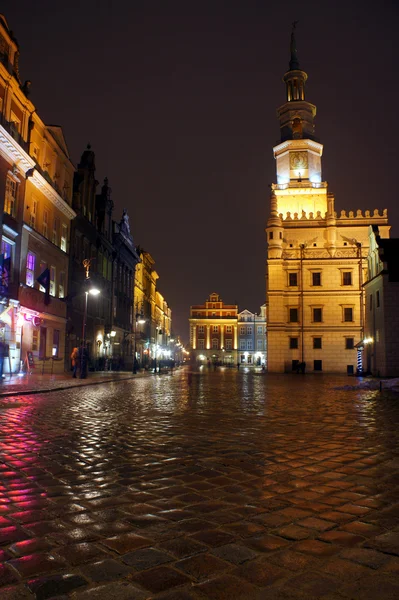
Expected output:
(222, 485)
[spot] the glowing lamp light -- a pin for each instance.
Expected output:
(201, 357)
(113, 333)
(368, 340)
(94, 291)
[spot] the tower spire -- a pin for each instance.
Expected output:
(294, 64)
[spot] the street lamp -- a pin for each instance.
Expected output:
(94, 292)
(139, 320)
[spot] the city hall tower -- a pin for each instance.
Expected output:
(316, 259)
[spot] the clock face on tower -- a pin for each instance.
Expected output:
(298, 160)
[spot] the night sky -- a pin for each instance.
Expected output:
(178, 100)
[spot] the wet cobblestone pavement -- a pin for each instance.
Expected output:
(234, 486)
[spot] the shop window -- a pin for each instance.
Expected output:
(56, 343)
(30, 269)
(35, 340)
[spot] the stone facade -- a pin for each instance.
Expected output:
(317, 260)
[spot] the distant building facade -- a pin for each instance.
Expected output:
(317, 260)
(152, 314)
(252, 338)
(36, 176)
(213, 331)
(381, 342)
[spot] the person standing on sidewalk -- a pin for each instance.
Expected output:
(74, 361)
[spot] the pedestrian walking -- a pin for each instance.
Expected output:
(74, 361)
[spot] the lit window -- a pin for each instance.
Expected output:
(200, 329)
(10, 200)
(35, 340)
(30, 269)
(6, 271)
(64, 237)
(33, 214)
(45, 223)
(61, 285)
(52, 281)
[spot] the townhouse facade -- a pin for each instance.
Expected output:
(252, 350)
(36, 176)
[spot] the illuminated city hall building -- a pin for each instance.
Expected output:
(317, 260)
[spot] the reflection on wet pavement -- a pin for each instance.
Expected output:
(227, 485)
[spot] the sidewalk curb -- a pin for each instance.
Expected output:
(64, 387)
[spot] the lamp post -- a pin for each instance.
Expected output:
(94, 292)
(138, 320)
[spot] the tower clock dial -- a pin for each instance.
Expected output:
(298, 160)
